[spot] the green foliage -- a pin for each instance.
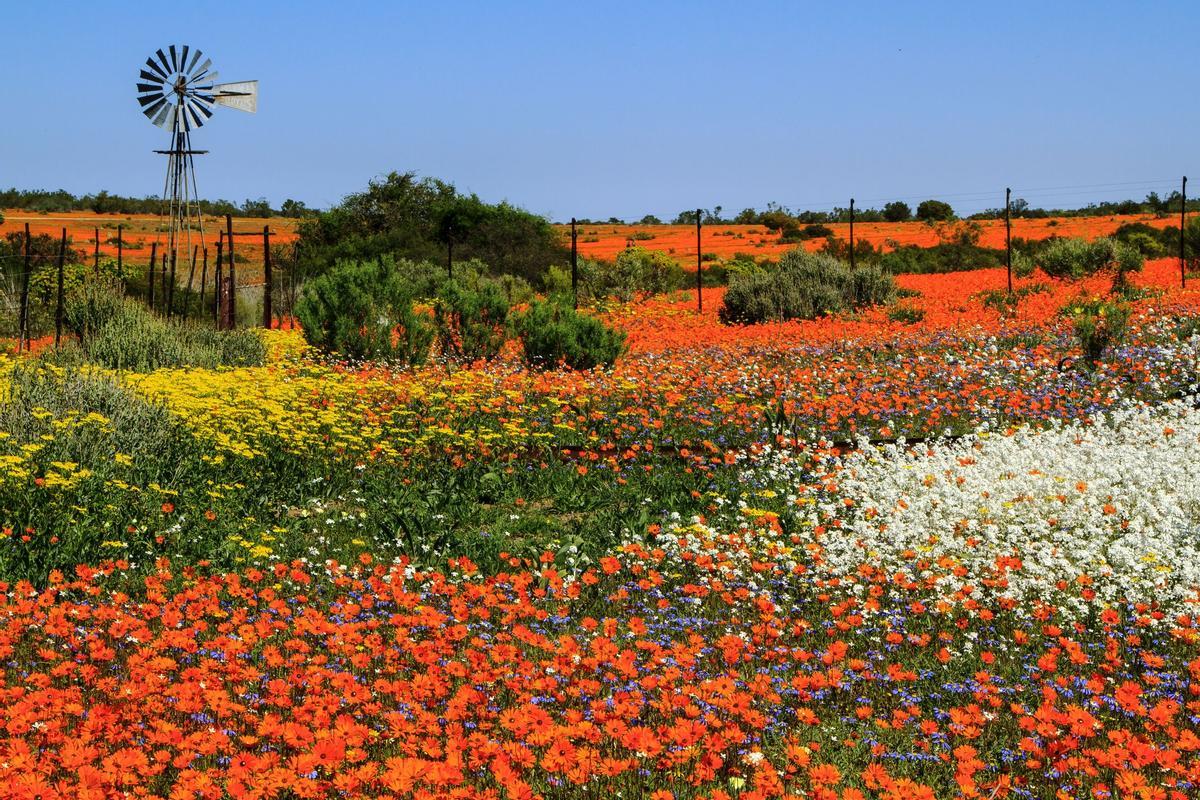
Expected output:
(120, 333)
(803, 286)
(428, 220)
(1098, 324)
(554, 334)
(1005, 302)
(471, 324)
(897, 211)
(934, 211)
(839, 248)
(636, 273)
(816, 230)
(364, 310)
(1074, 259)
(906, 314)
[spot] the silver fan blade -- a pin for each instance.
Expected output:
(146, 100)
(150, 76)
(242, 95)
(150, 87)
(183, 58)
(162, 76)
(163, 59)
(196, 73)
(174, 59)
(163, 115)
(195, 57)
(202, 80)
(152, 110)
(193, 117)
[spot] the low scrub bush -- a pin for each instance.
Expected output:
(1074, 259)
(803, 286)
(554, 334)
(1099, 324)
(364, 310)
(121, 334)
(906, 314)
(471, 324)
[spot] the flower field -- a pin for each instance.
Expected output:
(604, 242)
(853, 557)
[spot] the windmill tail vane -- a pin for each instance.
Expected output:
(177, 91)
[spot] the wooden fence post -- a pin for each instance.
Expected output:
(218, 281)
(267, 277)
(574, 264)
(231, 283)
(171, 285)
(150, 274)
(699, 268)
(203, 277)
(58, 306)
(23, 333)
(1008, 235)
(187, 300)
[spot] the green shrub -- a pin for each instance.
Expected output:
(120, 333)
(803, 286)
(1073, 259)
(905, 314)
(555, 334)
(934, 211)
(364, 310)
(639, 272)
(897, 211)
(1098, 324)
(471, 324)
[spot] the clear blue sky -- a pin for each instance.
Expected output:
(622, 109)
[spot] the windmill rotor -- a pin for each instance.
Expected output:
(177, 90)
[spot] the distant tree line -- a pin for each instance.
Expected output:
(42, 201)
(780, 218)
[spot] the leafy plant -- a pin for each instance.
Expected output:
(554, 334)
(803, 286)
(471, 324)
(906, 314)
(1098, 324)
(364, 310)
(1074, 259)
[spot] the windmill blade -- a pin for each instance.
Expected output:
(196, 73)
(151, 76)
(242, 95)
(202, 106)
(150, 87)
(195, 57)
(163, 115)
(162, 76)
(146, 100)
(152, 110)
(203, 80)
(183, 58)
(193, 117)
(166, 66)
(174, 59)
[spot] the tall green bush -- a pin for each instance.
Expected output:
(804, 286)
(555, 334)
(471, 324)
(1074, 259)
(364, 310)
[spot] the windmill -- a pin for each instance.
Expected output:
(177, 91)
